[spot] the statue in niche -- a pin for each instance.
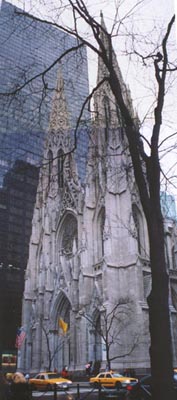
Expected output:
(69, 248)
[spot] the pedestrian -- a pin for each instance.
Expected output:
(9, 377)
(88, 367)
(4, 387)
(64, 372)
(20, 389)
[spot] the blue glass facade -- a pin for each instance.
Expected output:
(27, 48)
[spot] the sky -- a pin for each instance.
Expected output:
(146, 22)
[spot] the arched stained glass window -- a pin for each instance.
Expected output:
(101, 224)
(69, 236)
(139, 229)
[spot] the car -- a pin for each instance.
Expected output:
(48, 380)
(142, 390)
(111, 379)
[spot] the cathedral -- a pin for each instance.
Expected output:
(88, 273)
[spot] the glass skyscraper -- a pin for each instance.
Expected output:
(27, 49)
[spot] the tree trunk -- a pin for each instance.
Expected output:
(159, 315)
(108, 362)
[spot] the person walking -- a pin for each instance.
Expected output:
(64, 372)
(4, 387)
(88, 368)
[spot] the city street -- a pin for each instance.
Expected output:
(75, 393)
(80, 392)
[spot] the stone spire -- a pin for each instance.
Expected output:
(59, 118)
(105, 38)
(105, 91)
(109, 127)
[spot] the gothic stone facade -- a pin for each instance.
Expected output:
(89, 256)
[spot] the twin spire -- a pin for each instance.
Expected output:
(59, 117)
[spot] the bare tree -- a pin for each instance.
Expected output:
(147, 171)
(111, 328)
(51, 354)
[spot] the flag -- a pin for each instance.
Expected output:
(20, 337)
(63, 325)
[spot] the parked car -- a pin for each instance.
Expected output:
(111, 379)
(48, 380)
(142, 390)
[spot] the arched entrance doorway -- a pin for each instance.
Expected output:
(95, 341)
(61, 332)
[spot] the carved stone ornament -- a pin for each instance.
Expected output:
(67, 202)
(53, 186)
(114, 142)
(60, 139)
(116, 176)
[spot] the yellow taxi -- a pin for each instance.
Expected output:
(48, 380)
(111, 379)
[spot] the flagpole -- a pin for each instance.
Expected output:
(18, 359)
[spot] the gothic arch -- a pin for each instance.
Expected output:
(40, 269)
(67, 249)
(94, 330)
(60, 156)
(67, 237)
(98, 340)
(138, 220)
(61, 310)
(100, 232)
(50, 163)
